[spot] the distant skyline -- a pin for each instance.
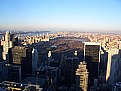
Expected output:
(89, 15)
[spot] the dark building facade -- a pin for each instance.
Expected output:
(22, 56)
(92, 57)
(68, 71)
(14, 72)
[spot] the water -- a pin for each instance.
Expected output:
(80, 39)
(24, 34)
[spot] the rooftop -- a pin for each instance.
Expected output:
(92, 43)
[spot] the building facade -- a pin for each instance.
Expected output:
(8, 41)
(22, 56)
(82, 77)
(92, 57)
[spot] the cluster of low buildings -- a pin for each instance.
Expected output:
(34, 39)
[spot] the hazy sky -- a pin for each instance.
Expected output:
(82, 14)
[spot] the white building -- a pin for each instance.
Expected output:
(7, 43)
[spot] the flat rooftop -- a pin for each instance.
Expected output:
(92, 43)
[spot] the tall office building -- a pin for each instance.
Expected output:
(1, 52)
(82, 77)
(3, 71)
(22, 56)
(34, 60)
(14, 72)
(8, 41)
(113, 66)
(92, 57)
(68, 70)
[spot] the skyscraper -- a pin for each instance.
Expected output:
(14, 72)
(34, 60)
(82, 77)
(8, 41)
(113, 66)
(69, 68)
(22, 56)
(92, 57)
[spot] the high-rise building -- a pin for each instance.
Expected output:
(82, 77)
(3, 71)
(68, 70)
(1, 53)
(14, 72)
(22, 56)
(113, 67)
(34, 60)
(8, 41)
(92, 57)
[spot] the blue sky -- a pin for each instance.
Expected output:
(81, 14)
